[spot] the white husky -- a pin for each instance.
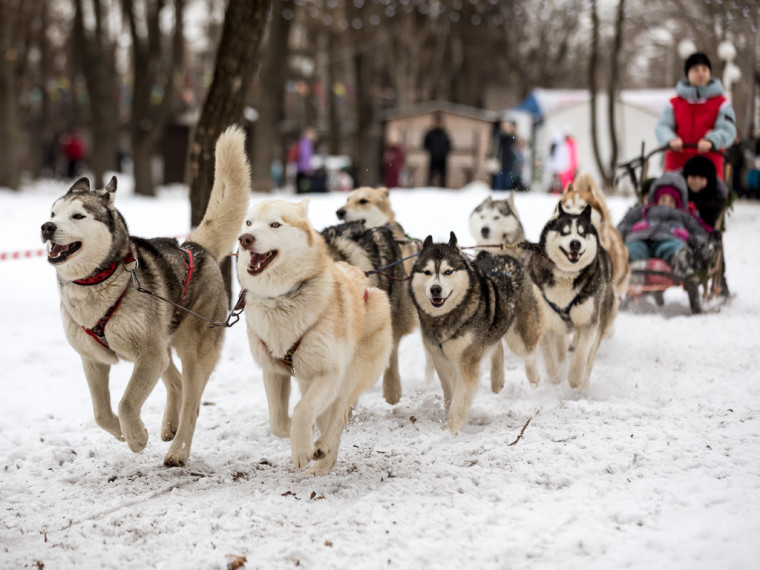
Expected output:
(311, 318)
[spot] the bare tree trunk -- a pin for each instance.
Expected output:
(152, 69)
(9, 108)
(608, 174)
(98, 69)
(236, 62)
(272, 78)
(592, 84)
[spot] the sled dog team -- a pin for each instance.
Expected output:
(326, 308)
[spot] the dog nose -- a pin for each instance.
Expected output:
(246, 241)
(341, 214)
(48, 230)
(435, 290)
(575, 245)
(485, 232)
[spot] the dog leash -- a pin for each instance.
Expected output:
(380, 271)
(232, 318)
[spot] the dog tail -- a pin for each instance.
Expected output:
(228, 202)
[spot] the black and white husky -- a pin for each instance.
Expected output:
(106, 319)
(574, 274)
(465, 309)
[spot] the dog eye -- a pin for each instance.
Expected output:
(448, 272)
(363, 201)
(248, 223)
(78, 217)
(275, 225)
(428, 272)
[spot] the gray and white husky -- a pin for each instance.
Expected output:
(370, 249)
(496, 222)
(465, 309)
(574, 274)
(106, 319)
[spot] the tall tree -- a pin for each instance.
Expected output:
(272, 78)
(9, 108)
(97, 51)
(155, 74)
(237, 60)
(607, 170)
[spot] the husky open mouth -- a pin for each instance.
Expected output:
(260, 261)
(572, 256)
(59, 253)
(438, 301)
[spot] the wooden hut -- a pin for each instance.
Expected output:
(470, 131)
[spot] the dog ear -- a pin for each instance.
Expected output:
(428, 242)
(452, 239)
(304, 206)
(560, 209)
(586, 213)
(80, 186)
(384, 191)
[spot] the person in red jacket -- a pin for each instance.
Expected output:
(699, 115)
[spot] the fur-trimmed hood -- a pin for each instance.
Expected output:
(675, 180)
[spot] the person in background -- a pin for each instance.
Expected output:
(571, 148)
(505, 147)
(556, 162)
(304, 169)
(73, 149)
(707, 192)
(393, 161)
(438, 146)
(699, 115)
(664, 228)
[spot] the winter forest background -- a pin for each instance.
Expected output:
(132, 74)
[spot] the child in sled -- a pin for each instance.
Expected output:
(664, 228)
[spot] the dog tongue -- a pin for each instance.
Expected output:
(58, 249)
(257, 258)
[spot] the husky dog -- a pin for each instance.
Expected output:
(309, 317)
(465, 311)
(584, 192)
(372, 208)
(371, 249)
(106, 319)
(496, 222)
(574, 275)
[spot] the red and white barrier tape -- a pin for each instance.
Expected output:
(8, 255)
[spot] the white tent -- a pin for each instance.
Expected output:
(558, 110)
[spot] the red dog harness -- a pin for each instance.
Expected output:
(98, 332)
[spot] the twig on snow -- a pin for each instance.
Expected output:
(522, 431)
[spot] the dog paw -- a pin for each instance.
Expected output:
(302, 454)
(168, 432)
(391, 389)
(137, 438)
(454, 426)
(176, 457)
(497, 384)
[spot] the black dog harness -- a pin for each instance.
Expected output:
(564, 314)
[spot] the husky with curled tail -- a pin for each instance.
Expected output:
(574, 275)
(106, 319)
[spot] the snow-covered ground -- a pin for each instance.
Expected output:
(658, 466)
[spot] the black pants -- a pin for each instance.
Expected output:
(437, 173)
